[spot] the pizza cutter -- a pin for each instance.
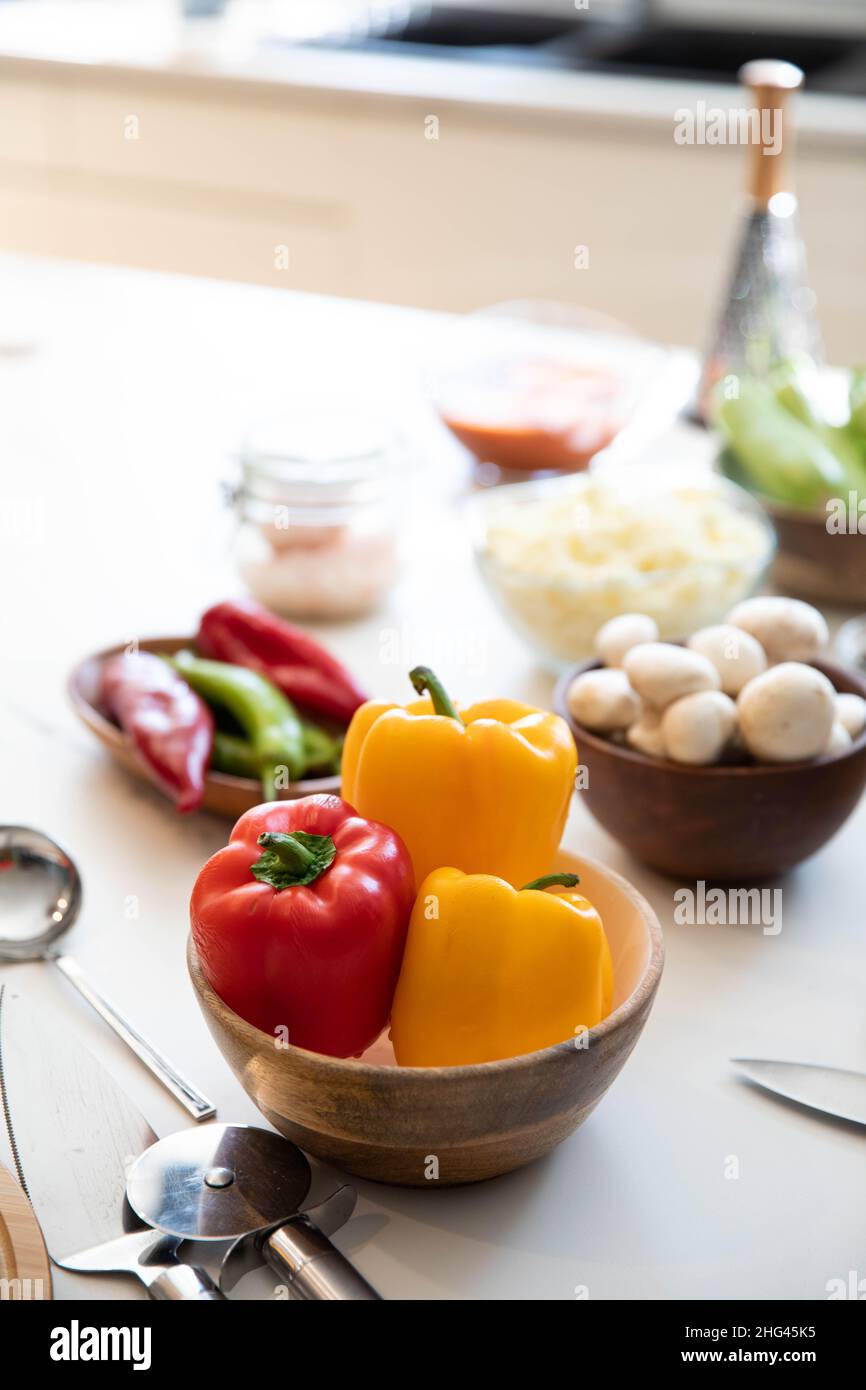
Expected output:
(245, 1184)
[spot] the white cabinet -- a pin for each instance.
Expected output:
(344, 192)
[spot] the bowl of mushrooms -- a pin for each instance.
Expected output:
(729, 757)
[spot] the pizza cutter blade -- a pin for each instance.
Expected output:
(244, 1184)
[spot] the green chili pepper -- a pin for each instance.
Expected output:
(270, 723)
(236, 757)
(322, 750)
(233, 755)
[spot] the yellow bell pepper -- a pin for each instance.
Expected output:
(491, 971)
(486, 790)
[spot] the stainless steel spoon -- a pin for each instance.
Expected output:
(40, 898)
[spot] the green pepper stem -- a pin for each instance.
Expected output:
(288, 849)
(292, 861)
(548, 880)
(268, 779)
(426, 682)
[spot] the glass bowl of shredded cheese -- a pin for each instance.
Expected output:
(561, 557)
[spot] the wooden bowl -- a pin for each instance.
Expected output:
(386, 1122)
(722, 824)
(225, 795)
(811, 562)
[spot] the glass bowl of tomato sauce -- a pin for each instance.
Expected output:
(538, 388)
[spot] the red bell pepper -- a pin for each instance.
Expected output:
(246, 634)
(171, 728)
(300, 922)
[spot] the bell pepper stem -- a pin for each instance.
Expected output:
(548, 881)
(427, 682)
(288, 849)
(291, 861)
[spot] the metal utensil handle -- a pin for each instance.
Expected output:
(314, 1268)
(182, 1283)
(198, 1105)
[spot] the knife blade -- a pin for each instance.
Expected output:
(73, 1134)
(829, 1089)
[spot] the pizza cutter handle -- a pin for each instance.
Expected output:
(301, 1253)
(184, 1283)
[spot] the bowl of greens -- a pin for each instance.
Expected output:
(797, 440)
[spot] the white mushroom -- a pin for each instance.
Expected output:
(839, 741)
(661, 672)
(698, 728)
(851, 713)
(787, 713)
(787, 628)
(603, 701)
(619, 635)
(736, 654)
(645, 735)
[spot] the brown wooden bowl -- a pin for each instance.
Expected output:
(813, 562)
(726, 823)
(810, 561)
(386, 1122)
(224, 795)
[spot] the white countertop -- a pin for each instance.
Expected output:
(147, 40)
(122, 395)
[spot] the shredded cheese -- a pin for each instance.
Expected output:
(565, 561)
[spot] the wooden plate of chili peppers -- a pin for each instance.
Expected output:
(223, 792)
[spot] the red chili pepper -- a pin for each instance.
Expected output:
(169, 725)
(300, 922)
(246, 634)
